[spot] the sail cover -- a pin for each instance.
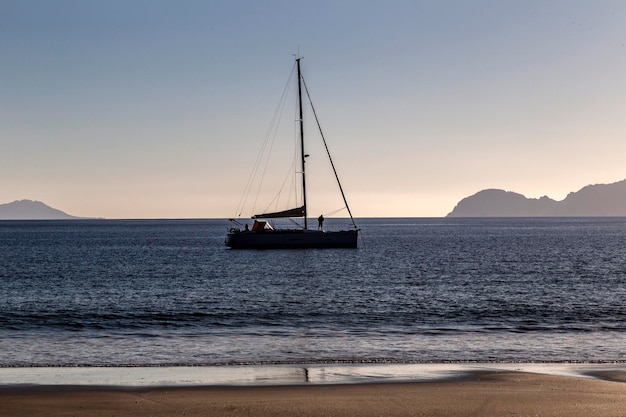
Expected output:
(294, 212)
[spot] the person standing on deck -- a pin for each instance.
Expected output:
(320, 222)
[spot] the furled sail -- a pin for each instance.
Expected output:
(294, 212)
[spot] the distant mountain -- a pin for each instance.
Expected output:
(31, 210)
(592, 200)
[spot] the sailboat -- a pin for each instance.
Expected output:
(263, 235)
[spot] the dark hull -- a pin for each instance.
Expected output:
(292, 239)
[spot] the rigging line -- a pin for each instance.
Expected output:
(294, 222)
(334, 212)
(276, 199)
(290, 175)
(291, 172)
(249, 183)
(257, 162)
(292, 188)
(328, 152)
(296, 139)
(253, 173)
(271, 133)
(267, 159)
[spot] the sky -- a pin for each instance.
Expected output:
(158, 109)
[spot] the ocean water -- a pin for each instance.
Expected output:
(169, 293)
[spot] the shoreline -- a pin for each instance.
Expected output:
(478, 393)
(288, 375)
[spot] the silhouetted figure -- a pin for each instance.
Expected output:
(320, 222)
(246, 228)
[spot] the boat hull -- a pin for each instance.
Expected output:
(291, 239)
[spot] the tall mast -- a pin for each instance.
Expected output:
(302, 155)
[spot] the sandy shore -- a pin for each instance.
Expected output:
(481, 394)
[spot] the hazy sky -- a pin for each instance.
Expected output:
(157, 109)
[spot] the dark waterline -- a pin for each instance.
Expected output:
(167, 292)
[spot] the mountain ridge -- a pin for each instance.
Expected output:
(595, 200)
(32, 210)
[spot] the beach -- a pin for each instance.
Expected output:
(486, 393)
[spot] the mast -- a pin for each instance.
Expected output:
(302, 155)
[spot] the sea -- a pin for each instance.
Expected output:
(169, 294)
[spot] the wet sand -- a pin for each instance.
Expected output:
(479, 394)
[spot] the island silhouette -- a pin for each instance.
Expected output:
(598, 200)
(32, 210)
